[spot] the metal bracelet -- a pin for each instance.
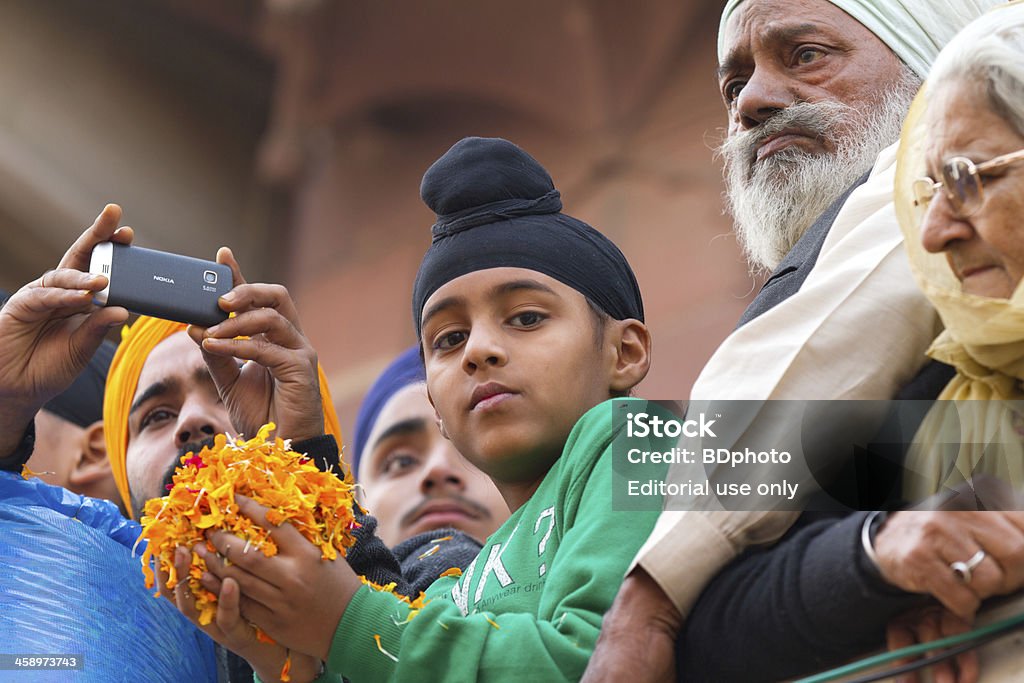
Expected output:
(865, 536)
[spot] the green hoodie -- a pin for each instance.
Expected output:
(529, 607)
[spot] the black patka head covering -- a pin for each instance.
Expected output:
(497, 207)
(82, 402)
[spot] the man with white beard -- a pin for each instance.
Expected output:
(815, 92)
(775, 195)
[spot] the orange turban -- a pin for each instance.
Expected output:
(137, 342)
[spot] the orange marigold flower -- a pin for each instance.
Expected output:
(26, 473)
(414, 605)
(286, 669)
(202, 497)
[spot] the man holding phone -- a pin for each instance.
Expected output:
(77, 573)
(176, 387)
(49, 329)
(172, 387)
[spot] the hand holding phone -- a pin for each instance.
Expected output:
(161, 285)
(49, 329)
(282, 383)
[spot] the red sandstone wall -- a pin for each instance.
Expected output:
(618, 101)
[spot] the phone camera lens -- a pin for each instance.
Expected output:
(210, 277)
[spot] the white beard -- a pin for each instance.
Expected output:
(773, 202)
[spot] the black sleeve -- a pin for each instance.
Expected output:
(811, 601)
(928, 383)
(425, 556)
(369, 556)
(13, 461)
(323, 450)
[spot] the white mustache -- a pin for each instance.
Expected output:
(774, 200)
(814, 119)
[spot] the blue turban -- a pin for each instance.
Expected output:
(405, 370)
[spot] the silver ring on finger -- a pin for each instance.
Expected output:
(964, 570)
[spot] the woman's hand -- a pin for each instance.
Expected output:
(916, 551)
(926, 625)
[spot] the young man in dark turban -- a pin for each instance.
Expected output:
(530, 321)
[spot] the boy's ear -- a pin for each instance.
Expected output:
(440, 425)
(437, 417)
(632, 345)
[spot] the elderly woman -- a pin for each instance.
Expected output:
(962, 185)
(960, 200)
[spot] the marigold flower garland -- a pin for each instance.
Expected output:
(318, 504)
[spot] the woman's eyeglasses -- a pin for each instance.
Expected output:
(962, 182)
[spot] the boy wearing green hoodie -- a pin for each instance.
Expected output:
(530, 321)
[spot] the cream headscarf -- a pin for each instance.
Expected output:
(914, 29)
(136, 344)
(984, 337)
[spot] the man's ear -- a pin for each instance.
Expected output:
(91, 472)
(632, 347)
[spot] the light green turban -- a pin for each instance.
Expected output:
(914, 29)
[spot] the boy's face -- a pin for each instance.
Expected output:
(512, 363)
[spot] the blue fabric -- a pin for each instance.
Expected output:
(405, 370)
(69, 584)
